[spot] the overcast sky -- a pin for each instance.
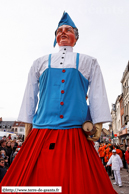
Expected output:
(27, 33)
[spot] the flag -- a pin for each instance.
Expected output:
(112, 135)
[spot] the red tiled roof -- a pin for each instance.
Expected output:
(18, 124)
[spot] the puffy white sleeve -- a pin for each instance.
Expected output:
(30, 98)
(98, 102)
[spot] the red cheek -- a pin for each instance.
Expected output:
(58, 37)
(72, 39)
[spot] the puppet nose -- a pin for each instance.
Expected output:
(63, 31)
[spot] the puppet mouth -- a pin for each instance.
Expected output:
(63, 37)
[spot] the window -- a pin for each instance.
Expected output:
(119, 124)
(15, 129)
(123, 120)
(128, 108)
(21, 130)
(122, 104)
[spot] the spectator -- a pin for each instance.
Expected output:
(118, 151)
(4, 137)
(7, 139)
(127, 158)
(3, 155)
(12, 144)
(16, 144)
(101, 153)
(15, 153)
(9, 150)
(106, 158)
(117, 164)
(9, 136)
(2, 169)
(19, 144)
(13, 150)
(123, 149)
(3, 145)
(108, 168)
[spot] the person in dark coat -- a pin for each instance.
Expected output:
(123, 149)
(3, 155)
(2, 169)
(9, 150)
(3, 145)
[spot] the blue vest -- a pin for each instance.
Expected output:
(62, 98)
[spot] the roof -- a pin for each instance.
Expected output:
(6, 123)
(18, 124)
(125, 72)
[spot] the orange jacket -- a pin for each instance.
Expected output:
(106, 157)
(119, 152)
(101, 151)
(110, 154)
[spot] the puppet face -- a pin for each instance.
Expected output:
(65, 36)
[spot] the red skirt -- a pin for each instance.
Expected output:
(70, 162)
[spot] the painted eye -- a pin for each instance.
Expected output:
(70, 30)
(59, 31)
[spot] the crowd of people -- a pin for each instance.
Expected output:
(114, 158)
(8, 150)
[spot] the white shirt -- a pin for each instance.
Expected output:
(66, 58)
(116, 162)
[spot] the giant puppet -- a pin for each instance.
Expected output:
(56, 151)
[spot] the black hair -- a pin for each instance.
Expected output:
(1, 159)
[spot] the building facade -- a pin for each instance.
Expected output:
(18, 128)
(12, 127)
(125, 118)
(125, 88)
(118, 123)
(6, 126)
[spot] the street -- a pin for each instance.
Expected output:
(125, 182)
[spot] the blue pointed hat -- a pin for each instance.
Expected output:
(65, 20)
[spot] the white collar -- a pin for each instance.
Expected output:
(66, 48)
